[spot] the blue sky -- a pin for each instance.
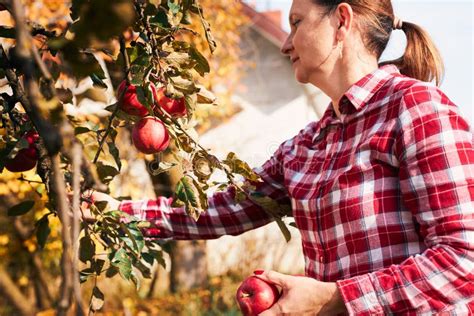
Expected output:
(450, 24)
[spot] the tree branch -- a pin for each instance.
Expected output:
(59, 186)
(76, 183)
(126, 70)
(13, 295)
(24, 234)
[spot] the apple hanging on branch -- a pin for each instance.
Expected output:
(150, 136)
(130, 103)
(26, 158)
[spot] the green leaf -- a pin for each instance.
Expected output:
(97, 300)
(150, 10)
(22, 143)
(106, 173)
(122, 262)
(143, 97)
(144, 269)
(97, 81)
(86, 249)
(113, 150)
(97, 265)
(81, 130)
(21, 208)
(187, 192)
(111, 272)
(139, 56)
(42, 231)
(240, 196)
(85, 274)
(202, 65)
(7, 32)
(75, 8)
(160, 20)
(286, 233)
(134, 239)
(174, 7)
(101, 205)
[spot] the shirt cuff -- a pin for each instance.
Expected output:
(133, 208)
(360, 296)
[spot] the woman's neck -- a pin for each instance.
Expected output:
(345, 75)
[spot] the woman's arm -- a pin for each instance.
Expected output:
(436, 157)
(223, 217)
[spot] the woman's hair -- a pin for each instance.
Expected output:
(421, 59)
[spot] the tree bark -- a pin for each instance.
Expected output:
(188, 265)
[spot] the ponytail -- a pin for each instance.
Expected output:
(421, 60)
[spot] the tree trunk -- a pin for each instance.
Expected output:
(188, 265)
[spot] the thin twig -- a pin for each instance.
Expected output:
(126, 62)
(59, 186)
(76, 183)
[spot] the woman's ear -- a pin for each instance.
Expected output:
(345, 17)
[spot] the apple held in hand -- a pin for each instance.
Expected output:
(130, 103)
(174, 107)
(150, 136)
(26, 158)
(255, 296)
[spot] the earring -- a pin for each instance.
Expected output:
(340, 45)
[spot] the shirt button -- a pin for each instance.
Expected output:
(321, 259)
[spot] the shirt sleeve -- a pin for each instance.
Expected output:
(223, 216)
(434, 147)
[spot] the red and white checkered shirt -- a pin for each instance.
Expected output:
(383, 198)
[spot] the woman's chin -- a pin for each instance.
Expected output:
(300, 77)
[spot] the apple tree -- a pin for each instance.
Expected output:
(149, 43)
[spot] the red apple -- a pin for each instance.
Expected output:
(150, 136)
(175, 107)
(130, 103)
(26, 158)
(2, 7)
(255, 295)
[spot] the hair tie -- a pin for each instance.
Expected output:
(397, 23)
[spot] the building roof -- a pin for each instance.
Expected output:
(266, 24)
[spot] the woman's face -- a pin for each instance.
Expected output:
(310, 45)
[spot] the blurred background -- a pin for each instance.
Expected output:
(260, 106)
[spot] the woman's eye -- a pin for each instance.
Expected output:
(295, 23)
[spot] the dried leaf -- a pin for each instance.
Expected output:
(240, 167)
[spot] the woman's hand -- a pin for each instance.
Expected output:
(303, 296)
(90, 197)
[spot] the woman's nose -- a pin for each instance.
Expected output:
(287, 46)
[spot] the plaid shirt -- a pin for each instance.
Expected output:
(383, 198)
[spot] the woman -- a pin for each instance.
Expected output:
(381, 188)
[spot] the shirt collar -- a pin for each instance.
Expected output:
(360, 93)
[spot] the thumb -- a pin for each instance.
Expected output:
(272, 277)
